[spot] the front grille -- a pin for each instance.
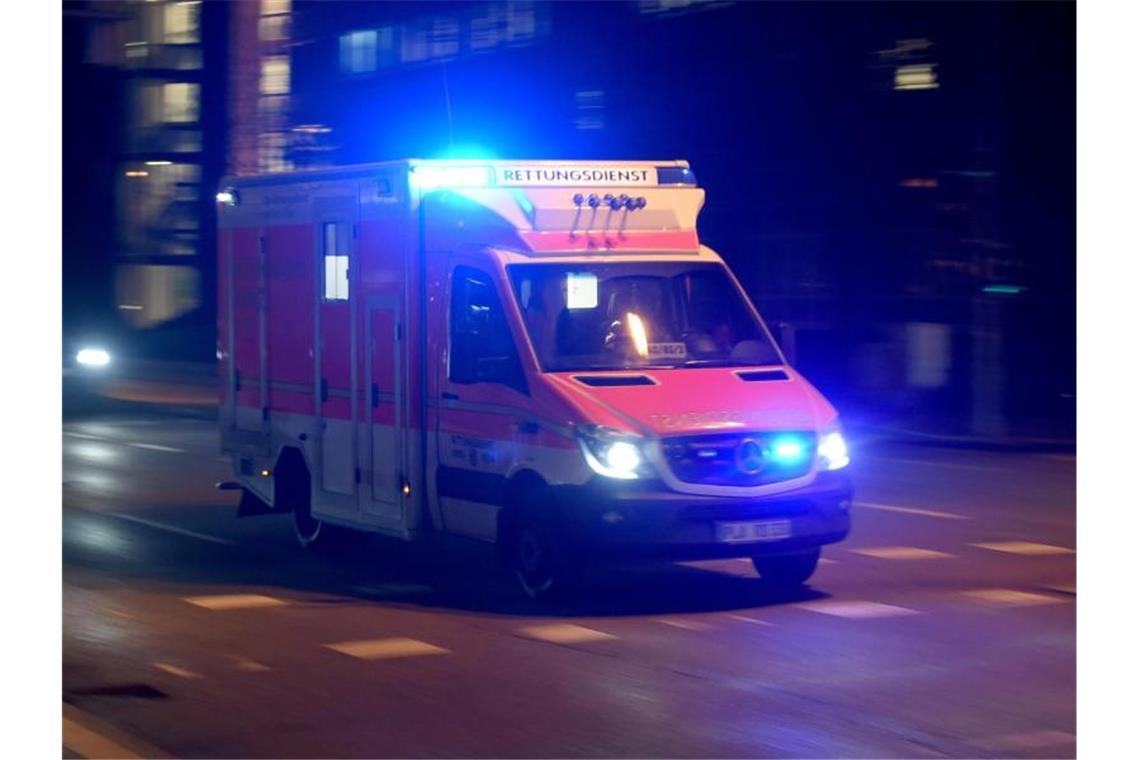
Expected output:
(740, 459)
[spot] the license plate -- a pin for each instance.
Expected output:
(740, 532)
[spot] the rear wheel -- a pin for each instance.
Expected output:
(787, 570)
(292, 491)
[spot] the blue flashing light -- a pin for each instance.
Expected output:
(788, 451)
(426, 177)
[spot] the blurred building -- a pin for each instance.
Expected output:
(890, 181)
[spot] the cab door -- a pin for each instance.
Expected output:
(483, 396)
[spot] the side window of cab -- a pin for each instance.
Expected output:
(482, 349)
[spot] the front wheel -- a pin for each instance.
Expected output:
(787, 570)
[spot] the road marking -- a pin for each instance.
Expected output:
(688, 625)
(826, 561)
(901, 552)
(746, 619)
(174, 670)
(1064, 588)
(251, 666)
(1011, 597)
(168, 528)
(85, 436)
(157, 447)
(1024, 547)
(234, 601)
(1032, 740)
(564, 633)
(386, 649)
(911, 510)
(857, 610)
(120, 613)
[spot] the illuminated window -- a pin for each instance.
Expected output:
(358, 51)
(334, 251)
(274, 7)
(275, 75)
(273, 28)
(180, 23)
(180, 102)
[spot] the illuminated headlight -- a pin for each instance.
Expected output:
(610, 452)
(833, 451)
(93, 357)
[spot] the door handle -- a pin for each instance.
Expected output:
(450, 396)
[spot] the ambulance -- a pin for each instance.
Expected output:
(537, 354)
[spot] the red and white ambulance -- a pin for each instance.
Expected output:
(540, 354)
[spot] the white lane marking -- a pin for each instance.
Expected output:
(85, 436)
(251, 666)
(386, 649)
(1011, 597)
(234, 601)
(168, 528)
(1024, 547)
(174, 670)
(901, 552)
(1064, 588)
(1032, 740)
(857, 610)
(826, 561)
(746, 619)
(156, 447)
(688, 625)
(564, 633)
(910, 510)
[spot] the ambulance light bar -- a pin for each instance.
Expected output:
(436, 177)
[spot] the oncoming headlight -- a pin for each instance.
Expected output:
(610, 452)
(833, 451)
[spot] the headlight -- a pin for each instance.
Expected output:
(833, 451)
(610, 452)
(93, 357)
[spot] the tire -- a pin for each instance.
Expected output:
(293, 491)
(787, 570)
(540, 563)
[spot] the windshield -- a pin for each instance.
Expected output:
(637, 315)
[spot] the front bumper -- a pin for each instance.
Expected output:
(644, 518)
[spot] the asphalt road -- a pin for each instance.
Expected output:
(944, 626)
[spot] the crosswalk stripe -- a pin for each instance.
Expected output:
(157, 447)
(910, 510)
(174, 670)
(746, 619)
(384, 649)
(234, 601)
(1011, 597)
(564, 633)
(688, 625)
(859, 610)
(1024, 547)
(901, 552)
